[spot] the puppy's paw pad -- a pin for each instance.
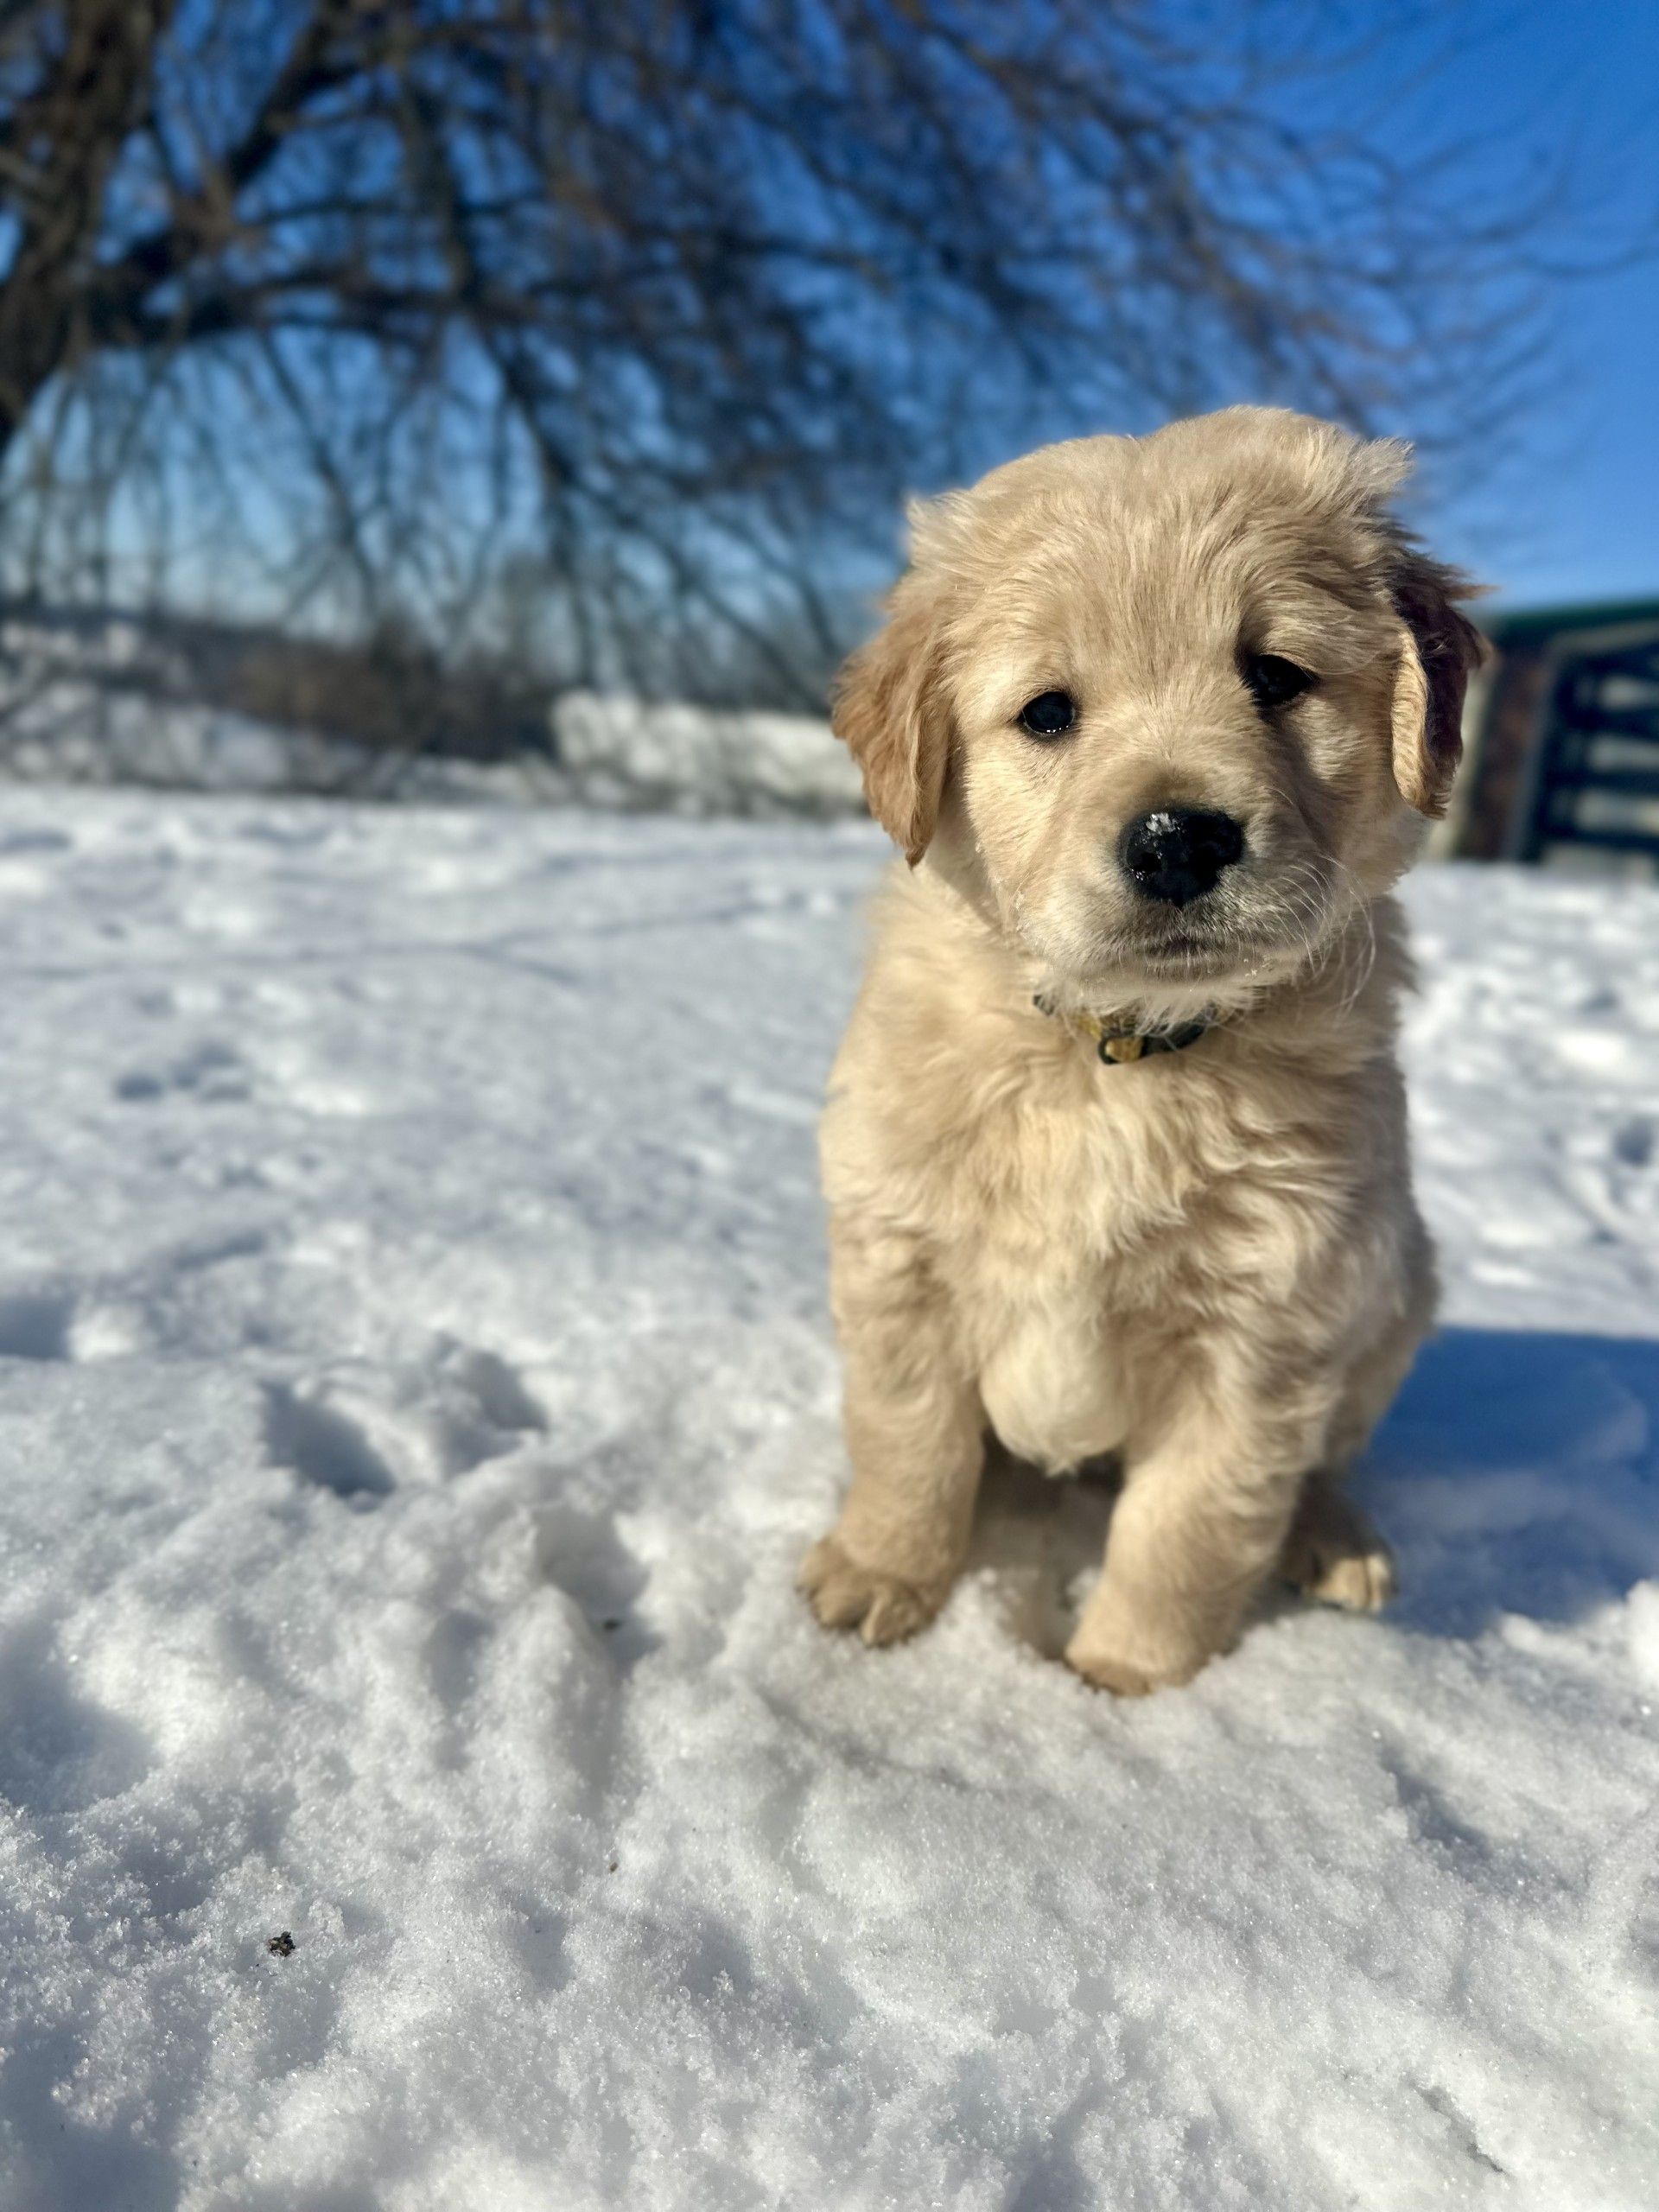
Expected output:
(883, 1608)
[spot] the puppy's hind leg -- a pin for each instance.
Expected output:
(1334, 1552)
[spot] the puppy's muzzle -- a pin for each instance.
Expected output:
(1175, 854)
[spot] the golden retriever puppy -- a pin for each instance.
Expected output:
(1115, 1150)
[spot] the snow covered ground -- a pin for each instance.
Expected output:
(415, 1392)
(59, 727)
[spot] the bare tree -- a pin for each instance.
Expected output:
(681, 292)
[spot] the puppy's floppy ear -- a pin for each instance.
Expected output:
(890, 713)
(1439, 647)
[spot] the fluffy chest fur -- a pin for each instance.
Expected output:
(1084, 1219)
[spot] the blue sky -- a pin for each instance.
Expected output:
(1579, 516)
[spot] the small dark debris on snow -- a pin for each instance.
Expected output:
(608, 1625)
(611, 1869)
(280, 1947)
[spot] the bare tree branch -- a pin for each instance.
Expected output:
(675, 295)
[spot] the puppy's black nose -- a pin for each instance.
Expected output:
(1176, 853)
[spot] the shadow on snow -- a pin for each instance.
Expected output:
(1517, 1472)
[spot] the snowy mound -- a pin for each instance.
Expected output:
(606, 749)
(421, 1785)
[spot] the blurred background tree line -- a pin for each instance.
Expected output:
(395, 367)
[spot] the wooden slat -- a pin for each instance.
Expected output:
(1615, 840)
(1638, 722)
(1638, 782)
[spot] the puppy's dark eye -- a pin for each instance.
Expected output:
(1051, 714)
(1274, 681)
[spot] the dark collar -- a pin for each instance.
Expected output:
(1118, 1047)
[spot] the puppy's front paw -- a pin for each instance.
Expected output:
(883, 1608)
(1109, 1653)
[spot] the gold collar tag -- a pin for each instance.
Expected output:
(1120, 1048)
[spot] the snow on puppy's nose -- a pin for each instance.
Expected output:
(1176, 853)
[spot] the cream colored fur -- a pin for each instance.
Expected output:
(1208, 1262)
